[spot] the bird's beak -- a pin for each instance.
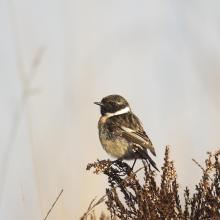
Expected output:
(98, 103)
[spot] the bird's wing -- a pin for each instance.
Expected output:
(138, 137)
(131, 129)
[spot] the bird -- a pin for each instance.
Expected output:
(121, 132)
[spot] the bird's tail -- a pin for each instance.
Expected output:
(146, 156)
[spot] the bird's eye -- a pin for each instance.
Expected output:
(114, 104)
(110, 104)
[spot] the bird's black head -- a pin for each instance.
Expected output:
(112, 104)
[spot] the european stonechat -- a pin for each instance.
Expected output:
(120, 131)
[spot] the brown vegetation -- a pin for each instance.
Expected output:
(129, 197)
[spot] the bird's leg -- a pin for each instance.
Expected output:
(134, 163)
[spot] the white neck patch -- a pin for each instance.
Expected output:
(119, 112)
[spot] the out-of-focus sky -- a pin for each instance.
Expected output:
(59, 56)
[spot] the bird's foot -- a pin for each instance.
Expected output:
(121, 167)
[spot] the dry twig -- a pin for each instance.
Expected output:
(54, 203)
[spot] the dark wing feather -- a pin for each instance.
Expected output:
(133, 131)
(138, 139)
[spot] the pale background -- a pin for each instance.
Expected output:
(59, 56)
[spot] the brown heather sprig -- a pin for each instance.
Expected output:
(205, 202)
(141, 198)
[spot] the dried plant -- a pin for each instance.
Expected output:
(205, 202)
(52, 206)
(129, 196)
